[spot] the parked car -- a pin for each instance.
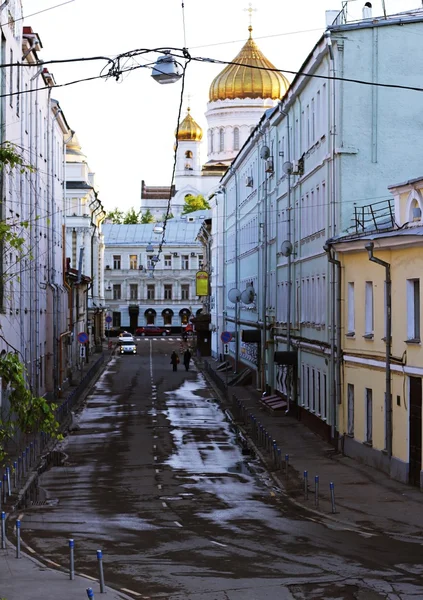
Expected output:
(152, 330)
(127, 347)
(125, 336)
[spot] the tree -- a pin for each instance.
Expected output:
(147, 217)
(131, 217)
(193, 203)
(116, 216)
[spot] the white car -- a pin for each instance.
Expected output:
(125, 336)
(127, 347)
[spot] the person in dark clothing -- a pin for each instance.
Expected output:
(174, 360)
(187, 359)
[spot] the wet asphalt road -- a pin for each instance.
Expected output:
(155, 478)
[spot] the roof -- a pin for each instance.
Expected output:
(78, 185)
(178, 232)
(378, 235)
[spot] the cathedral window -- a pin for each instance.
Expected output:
(188, 154)
(211, 142)
(221, 140)
(236, 138)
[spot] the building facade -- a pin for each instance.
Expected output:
(140, 290)
(380, 415)
(301, 178)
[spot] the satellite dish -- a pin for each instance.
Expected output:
(286, 248)
(264, 153)
(248, 295)
(234, 295)
(287, 168)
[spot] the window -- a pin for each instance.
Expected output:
(200, 260)
(221, 140)
(150, 262)
(11, 78)
(185, 262)
(133, 291)
(369, 319)
(185, 291)
(116, 261)
(151, 292)
(133, 261)
(350, 424)
(413, 309)
(211, 142)
(323, 394)
(18, 89)
(318, 394)
(117, 292)
(167, 292)
(236, 138)
(369, 415)
(351, 309)
(168, 261)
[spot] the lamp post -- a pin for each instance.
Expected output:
(388, 329)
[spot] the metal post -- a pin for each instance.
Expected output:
(15, 474)
(1, 495)
(18, 538)
(4, 488)
(316, 491)
(332, 496)
(100, 568)
(19, 468)
(286, 464)
(280, 458)
(305, 485)
(3, 530)
(23, 463)
(9, 487)
(71, 560)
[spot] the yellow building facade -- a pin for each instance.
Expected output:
(381, 270)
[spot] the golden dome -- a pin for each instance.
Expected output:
(241, 81)
(189, 130)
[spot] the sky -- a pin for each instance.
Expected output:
(126, 127)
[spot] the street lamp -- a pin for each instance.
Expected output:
(166, 69)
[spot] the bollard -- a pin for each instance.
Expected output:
(23, 463)
(286, 464)
(332, 496)
(15, 474)
(305, 485)
(316, 491)
(90, 593)
(19, 468)
(18, 538)
(28, 464)
(4, 488)
(9, 487)
(280, 458)
(31, 446)
(100, 568)
(275, 453)
(1, 495)
(3, 530)
(71, 560)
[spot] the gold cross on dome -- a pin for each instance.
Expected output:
(250, 11)
(188, 100)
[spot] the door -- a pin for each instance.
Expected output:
(415, 450)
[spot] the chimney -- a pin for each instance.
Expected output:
(367, 10)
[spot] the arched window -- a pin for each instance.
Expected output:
(415, 211)
(221, 140)
(211, 142)
(236, 138)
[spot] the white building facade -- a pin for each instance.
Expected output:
(307, 173)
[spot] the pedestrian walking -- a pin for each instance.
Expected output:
(187, 359)
(174, 360)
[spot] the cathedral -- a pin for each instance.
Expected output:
(238, 97)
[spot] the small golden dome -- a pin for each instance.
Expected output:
(189, 130)
(241, 81)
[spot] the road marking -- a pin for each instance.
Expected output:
(29, 549)
(130, 592)
(88, 577)
(218, 544)
(20, 517)
(272, 494)
(159, 485)
(155, 437)
(155, 458)
(157, 470)
(51, 562)
(178, 524)
(164, 504)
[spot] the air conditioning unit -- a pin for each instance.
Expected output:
(192, 254)
(249, 182)
(295, 167)
(269, 166)
(107, 267)
(175, 254)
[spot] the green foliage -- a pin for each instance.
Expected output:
(147, 217)
(116, 216)
(131, 217)
(169, 216)
(10, 157)
(28, 413)
(193, 203)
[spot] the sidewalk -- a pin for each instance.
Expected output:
(27, 579)
(365, 499)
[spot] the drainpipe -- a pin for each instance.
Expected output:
(237, 306)
(336, 358)
(388, 326)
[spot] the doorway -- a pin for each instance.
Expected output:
(415, 425)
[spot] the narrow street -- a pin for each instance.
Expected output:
(155, 478)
